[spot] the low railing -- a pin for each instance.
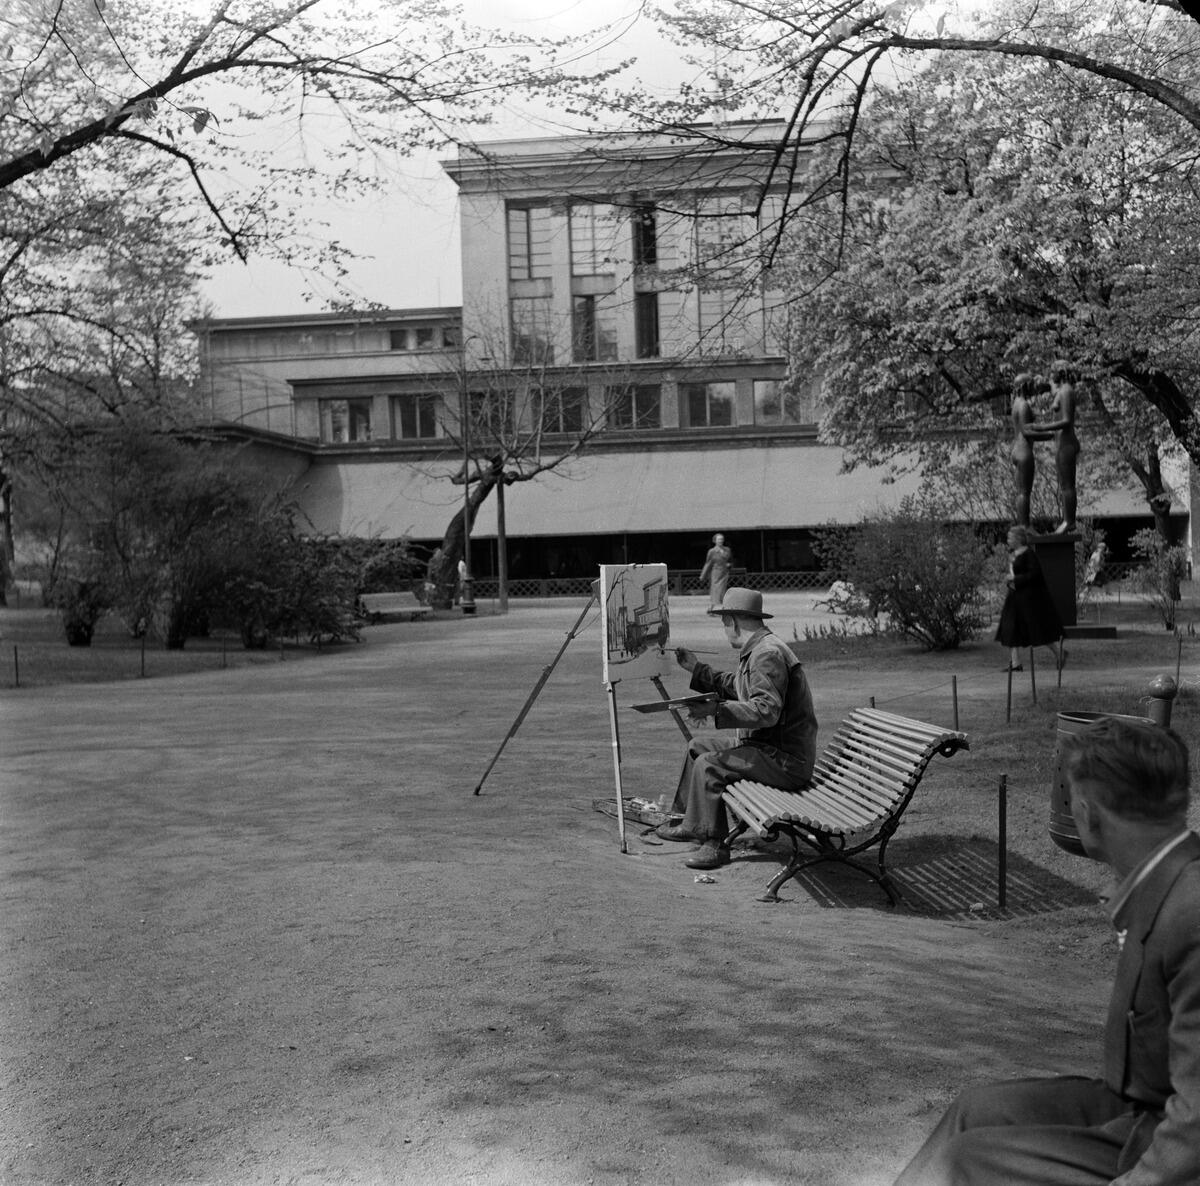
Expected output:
(682, 583)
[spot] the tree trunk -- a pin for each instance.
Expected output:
(1163, 393)
(7, 550)
(441, 574)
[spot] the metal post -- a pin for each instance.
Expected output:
(954, 693)
(1162, 692)
(1032, 676)
(1002, 848)
(468, 583)
(501, 546)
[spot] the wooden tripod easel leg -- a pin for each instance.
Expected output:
(536, 689)
(677, 713)
(616, 748)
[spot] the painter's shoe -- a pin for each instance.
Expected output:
(710, 855)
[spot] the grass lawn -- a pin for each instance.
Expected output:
(255, 927)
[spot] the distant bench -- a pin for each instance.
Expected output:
(376, 606)
(861, 786)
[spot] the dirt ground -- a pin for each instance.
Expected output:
(257, 928)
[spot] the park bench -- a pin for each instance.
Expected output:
(376, 606)
(861, 785)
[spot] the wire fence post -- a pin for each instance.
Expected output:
(872, 701)
(1032, 676)
(954, 694)
(1002, 846)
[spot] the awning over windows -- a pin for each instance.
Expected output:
(780, 486)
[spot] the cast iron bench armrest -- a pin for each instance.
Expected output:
(861, 785)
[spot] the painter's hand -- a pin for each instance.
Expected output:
(698, 714)
(685, 658)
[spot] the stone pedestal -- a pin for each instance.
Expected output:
(1056, 554)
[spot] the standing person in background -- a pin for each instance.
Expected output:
(1029, 617)
(716, 571)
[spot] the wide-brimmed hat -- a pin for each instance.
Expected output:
(747, 602)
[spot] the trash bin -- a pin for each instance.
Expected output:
(1062, 823)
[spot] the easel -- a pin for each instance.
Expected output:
(611, 690)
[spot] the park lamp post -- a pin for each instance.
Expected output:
(467, 599)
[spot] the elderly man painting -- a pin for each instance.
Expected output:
(768, 702)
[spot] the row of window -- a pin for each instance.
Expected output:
(424, 337)
(565, 410)
(713, 231)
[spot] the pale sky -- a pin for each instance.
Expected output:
(412, 234)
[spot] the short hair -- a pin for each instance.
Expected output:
(1022, 533)
(1062, 371)
(1139, 769)
(1028, 385)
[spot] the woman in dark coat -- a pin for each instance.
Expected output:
(1029, 618)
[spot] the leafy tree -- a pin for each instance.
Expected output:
(168, 83)
(999, 220)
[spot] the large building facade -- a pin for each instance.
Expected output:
(615, 327)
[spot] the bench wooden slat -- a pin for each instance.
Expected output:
(884, 745)
(844, 782)
(862, 783)
(869, 778)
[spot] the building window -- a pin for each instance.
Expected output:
(635, 407)
(398, 340)
(706, 405)
(593, 331)
(722, 321)
(415, 416)
(645, 235)
(451, 338)
(424, 337)
(532, 341)
(776, 403)
(344, 420)
(593, 239)
(645, 325)
(528, 242)
(562, 410)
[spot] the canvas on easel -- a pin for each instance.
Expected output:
(636, 619)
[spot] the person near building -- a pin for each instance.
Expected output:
(1139, 1124)
(716, 571)
(768, 701)
(1029, 617)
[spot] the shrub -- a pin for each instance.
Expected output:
(82, 603)
(926, 576)
(1164, 567)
